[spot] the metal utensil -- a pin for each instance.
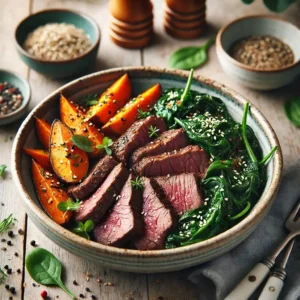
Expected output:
(256, 276)
(275, 282)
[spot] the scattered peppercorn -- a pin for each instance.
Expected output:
(20, 231)
(44, 294)
(81, 296)
(10, 298)
(87, 289)
(3, 249)
(7, 286)
(9, 243)
(9, 271)
(12, 290)
(33, 243)
(10, 233)
(94, 297)
(6, 267)
(16, 254)
(3, 240)
(262, 52)
(19, 271)
(33, 284)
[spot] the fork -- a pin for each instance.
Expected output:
(256, 276)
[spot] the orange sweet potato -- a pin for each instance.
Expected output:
(114, 98)
(43, 132)
(118, 124)
(68, 161)
(73, 117)
(48, 190)
(40, 156)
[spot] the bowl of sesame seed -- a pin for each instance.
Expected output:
(57, 42)
(14, 97)
(260, 52)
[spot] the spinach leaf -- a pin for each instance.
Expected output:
(83, 229)
(45, 269)
(2, 170)
(69, 205)
(6, 223)
(106, 144)
(82, 142)
(248, 1)
(190, 57)
(292, 110)
(274, 5)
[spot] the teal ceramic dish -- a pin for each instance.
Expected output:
(22, 84)
(65, 68)
(135, 260)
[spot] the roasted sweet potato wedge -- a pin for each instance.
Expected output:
(43, 132)
(40, 156)
(114, 98)
(50, 193)
(74, 118)
(68, 161)
(118, 124)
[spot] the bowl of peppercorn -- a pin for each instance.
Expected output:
(14, 97)
(58, 43)
(260, 52)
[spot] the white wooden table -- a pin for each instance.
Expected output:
(125, 285)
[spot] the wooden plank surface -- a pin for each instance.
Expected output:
(125, 285)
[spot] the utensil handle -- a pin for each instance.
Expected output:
(251, 281)
(272, 289)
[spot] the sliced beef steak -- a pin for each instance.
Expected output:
(159, 219)
(191, 159)
(136, 136)
(94, 179)
(169, 141)
(100, 202)
(182, 191)
(124, 221)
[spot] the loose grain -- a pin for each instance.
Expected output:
(57, 41)
(262, 52)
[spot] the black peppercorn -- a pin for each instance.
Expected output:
(19, 271)
(6, 267)
(9, 243)
(16, 254)
(9, 271)
(75, 282)
(3, 240)
(20, 231)
(7, 286)
(32, 243)
(81, 296)
(12, 290)
(94, 297)
(87, 289)
(10, 233)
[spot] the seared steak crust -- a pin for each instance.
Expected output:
(136, 136)
(168, 141)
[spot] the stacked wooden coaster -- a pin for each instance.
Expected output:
(131, 24)
(185, 19)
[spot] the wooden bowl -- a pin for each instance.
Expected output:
(186, 17)
(184, 34)
(131, 10)
(135, 260)
(133, 43)
(185, 7)
(131, 34)
(185, 24)
(132, 26)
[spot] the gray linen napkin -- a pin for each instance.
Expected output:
(224, 273)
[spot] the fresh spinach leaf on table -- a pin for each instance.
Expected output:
(45, 269)
(292, 110)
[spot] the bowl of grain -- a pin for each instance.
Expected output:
(260, 52)
(57, 42)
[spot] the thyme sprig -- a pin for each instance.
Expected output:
(137, 183)
(153, 131)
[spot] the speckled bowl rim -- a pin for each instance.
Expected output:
(246, 67)
(224, 238)
(46, 61)
(25, 101)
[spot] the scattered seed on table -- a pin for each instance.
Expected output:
(81, 295)
(6, 286)
(12, 290)
(87, 289)
(75, 282)
(20, 231)
(9, 243)
(6, 267)
(16, 254)
(19, 271)
(9, 271)
(262, 52)
(33, 243)
(10, 233)
(3, 240)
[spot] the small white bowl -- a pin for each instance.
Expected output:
(23, 85)
(259, 26)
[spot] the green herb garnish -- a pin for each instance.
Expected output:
(3, 276)
(83, 229)
(89, 100)
(82, 143)
(6, 223)
(45, 269)
(2, 170)
(106, 144)
(69, 205)
(153, 131)
(292, 110)
(190, 57)
(137, 183)
(143, 114)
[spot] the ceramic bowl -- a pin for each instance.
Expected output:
(23, 85)
(259, 26)
(136, 260)
(62, 68)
